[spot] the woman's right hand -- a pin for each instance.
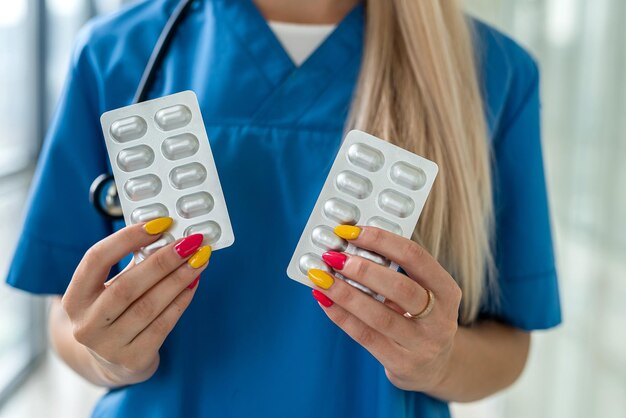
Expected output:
(124, 322)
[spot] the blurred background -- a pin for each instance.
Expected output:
(577, 370)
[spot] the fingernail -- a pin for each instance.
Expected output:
(158, 225)
(321, 278)
(334, 259)
(322, 298)
(194, 283)
(189, 245)
(201, 257)
(347, 231)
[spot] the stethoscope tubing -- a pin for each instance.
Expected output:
(100, 184)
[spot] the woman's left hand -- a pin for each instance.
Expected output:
(415, 352)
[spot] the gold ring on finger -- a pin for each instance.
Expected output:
(426, 310)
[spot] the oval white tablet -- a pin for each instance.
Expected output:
(142, 187)
(366, 157)
(353, 184)
(135, 158)
(128, 129)
(396, 203)
(341, 211)
(173, 117)
(194, 204)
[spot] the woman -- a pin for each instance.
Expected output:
(245, 340)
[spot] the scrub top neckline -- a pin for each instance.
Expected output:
(341, 47)
(300, 40)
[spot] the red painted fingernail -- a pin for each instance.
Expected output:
(322, 298)
(189, 245)
(194, 283)
(334, 259)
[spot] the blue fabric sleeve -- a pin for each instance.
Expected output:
(528, 296)
(60, 223)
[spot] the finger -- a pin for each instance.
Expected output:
(376, 315)
(151, 304)
(381, 347)
(412, 257)
(406, 293)
(153, 336)
(130, 286)
(394, 306)
(94, 268)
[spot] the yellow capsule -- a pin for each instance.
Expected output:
(347, 231)
(321, 278)
(201, 257)
(158, 225)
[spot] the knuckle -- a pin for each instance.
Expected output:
(160, 261)
(178, 307)
(406, 288)
(143, 308)
(376, 236)
(362, 267)
(344, 295)
(161, 325)
(411, 251)
(366, 336)
(120, 291)
(384, 321)
(182, 275)
(339, 318)
(81, 333)
(94, 253)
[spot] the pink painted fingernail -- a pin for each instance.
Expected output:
(194, 283)
(334, 259)
(189, 245)
(322, 298)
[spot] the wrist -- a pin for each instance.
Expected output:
(112, 375)
(443, 381)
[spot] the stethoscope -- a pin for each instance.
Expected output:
(103, 193)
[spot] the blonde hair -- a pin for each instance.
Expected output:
(418, 88)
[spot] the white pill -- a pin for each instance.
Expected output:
(324, 237)
(149, 212)
(210, 229)
(173, 117)
(312, 261)
(135, 158)
(147, 251)
(385, 224)
(142, 187)
(194, 204)
(369, 255)
(354, 184)
(188, 175)
(366, 157)
(180, 146)
(128, 129)
(396, 203)
(341, 211)
(408, 175)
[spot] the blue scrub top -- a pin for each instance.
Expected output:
(254, 343)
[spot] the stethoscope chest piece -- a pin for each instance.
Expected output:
(103, 196)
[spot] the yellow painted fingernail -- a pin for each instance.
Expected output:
(321, 278)
(158, 225)
(347, 231)
(201, 257)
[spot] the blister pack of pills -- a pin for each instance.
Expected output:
(163, 166)
(373, 183)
